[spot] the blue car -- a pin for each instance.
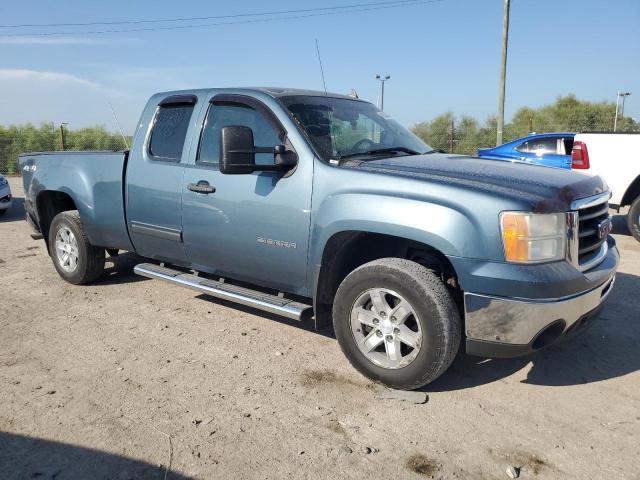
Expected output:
(548, 149)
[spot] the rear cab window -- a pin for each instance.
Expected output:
(170, 126)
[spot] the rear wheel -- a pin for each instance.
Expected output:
(396, 323)
(2, 212)
(75, 259)
(633, 219)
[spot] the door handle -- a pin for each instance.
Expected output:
(201, 187)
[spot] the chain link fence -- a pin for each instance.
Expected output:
(15, 140)
(447, 132)
(455, 138)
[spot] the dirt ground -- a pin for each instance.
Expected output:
(133, 378)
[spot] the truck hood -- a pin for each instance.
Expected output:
(542, 189)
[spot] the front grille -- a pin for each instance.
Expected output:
(590, 241)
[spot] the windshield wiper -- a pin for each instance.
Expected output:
(377, 151)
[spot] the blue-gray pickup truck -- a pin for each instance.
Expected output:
(320, 206)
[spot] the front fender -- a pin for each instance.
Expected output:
(451, 231)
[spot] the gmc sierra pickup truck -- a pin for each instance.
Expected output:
(315, 205)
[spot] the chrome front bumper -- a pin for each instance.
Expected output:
(521, 323)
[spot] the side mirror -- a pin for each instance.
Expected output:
(237, 150)
(238, 153)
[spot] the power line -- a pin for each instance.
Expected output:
(212, 17)
(318, 12)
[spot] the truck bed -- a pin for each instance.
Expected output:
(92, 180)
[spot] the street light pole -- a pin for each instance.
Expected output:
(624, 96)
(503, 73)
(382, 80)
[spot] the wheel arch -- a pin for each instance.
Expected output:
(347, 250)
(633, 192)
(50, 203)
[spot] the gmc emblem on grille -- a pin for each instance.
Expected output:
(604, 228)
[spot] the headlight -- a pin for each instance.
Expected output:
(533, 237)
(3, 181)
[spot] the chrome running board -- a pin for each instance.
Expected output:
(232, 293)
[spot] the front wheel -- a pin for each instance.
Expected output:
(396, 323)
(75, 259)
(633, 219)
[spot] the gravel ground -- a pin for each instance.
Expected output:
(133, 378)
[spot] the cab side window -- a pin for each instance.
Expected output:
(540, 146)
(224, 114)
(169, 132)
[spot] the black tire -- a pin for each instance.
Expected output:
(90, 263)
(435, 310)
(633, 219)
(2, 212)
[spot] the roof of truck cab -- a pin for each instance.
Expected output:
(275, 92)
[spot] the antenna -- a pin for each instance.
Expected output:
(321, 69)
(124, 139)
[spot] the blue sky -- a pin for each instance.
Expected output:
(441, 56)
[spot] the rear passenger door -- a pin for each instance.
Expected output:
(154, 178)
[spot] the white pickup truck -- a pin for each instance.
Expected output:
(615, 157)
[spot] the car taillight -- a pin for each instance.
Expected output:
(579, 155)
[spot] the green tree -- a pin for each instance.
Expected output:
(17, 139)
(566, 114)
(436, 133)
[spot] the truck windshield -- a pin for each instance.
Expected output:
(341, 128)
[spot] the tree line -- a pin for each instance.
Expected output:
(17, 139)
(567, 114)
(446, 132)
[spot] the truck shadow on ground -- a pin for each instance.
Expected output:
(119, 270)
(27, 457)
(306, 324)
(16, 212)
(608, 349)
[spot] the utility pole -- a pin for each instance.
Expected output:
(624, 96)
(382, 80)
(615, 119)
(451, 132)
(62, 135)
(503, 73)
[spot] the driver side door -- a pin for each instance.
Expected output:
(251, 227)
